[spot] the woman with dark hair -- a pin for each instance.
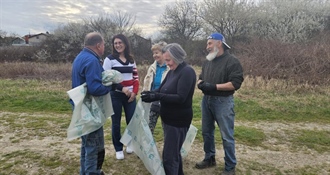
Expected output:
(122, 94)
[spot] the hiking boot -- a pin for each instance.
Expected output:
(231, 172)
(206, 163)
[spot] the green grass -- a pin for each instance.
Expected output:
(308, 107)
(249, 136)
(35, 109)
(50, 96)
(316, 140)
(34, 95)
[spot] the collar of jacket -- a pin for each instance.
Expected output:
(225, 53)
(92, 52)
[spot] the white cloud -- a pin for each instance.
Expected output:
(36, 16)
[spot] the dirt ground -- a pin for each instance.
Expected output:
(276, 158)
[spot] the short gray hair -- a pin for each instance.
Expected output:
(93, 38)
(176, 52)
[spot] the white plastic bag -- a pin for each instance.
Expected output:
(190, 137)
(111, 76)
(90, 112)
(139, 138)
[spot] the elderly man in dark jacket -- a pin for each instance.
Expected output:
(221, 76)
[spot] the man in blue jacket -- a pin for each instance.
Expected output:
(87, 69)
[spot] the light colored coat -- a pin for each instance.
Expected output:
(149, 78)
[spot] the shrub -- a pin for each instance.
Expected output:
(302, 63)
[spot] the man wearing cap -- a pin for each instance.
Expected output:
(175, 94)
(221, 76)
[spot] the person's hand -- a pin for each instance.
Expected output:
(126, 91)
(200, 85)
(132, 97)
(207, 87)
(149, 96)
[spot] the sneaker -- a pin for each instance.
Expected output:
(129, 150)
(102, 173)
(231, 172)
(120, 155)
(206, 163)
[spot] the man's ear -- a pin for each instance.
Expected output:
(219, 43)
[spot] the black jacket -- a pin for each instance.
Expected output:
(177, 91)
(223, 69)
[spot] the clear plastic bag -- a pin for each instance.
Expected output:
(90, 112)
(139, 138)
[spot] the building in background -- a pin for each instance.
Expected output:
(35, 40)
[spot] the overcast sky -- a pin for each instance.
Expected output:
(38, 16)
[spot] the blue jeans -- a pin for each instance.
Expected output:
(173, 141)
(120, 100)
(221, 110)
(92, 153)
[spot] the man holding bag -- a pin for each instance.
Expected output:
(87, 69)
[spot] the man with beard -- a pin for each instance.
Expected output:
(221, 76)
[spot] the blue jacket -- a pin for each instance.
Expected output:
(87, 68)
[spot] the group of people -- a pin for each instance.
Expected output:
(169, 86)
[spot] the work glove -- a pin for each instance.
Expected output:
(150, 96)
(207, 87)
(200, 85)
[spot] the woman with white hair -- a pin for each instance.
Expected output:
(175, 95)
(156, 73)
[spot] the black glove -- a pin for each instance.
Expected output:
(200, 85)
(207, 87)
(149, 96)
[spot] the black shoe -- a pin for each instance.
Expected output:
(102, 173)
(231, 172)
(206, 163)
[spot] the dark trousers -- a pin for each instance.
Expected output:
(173, 140)
(120, 101)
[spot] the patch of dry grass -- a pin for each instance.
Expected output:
(34, 70)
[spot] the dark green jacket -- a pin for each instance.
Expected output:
(222, 69)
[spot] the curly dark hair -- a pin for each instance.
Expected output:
(127, 51)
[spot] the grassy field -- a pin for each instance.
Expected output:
(280, 128)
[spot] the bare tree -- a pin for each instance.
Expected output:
(291, 20)
(117, 22)
(124, 21)
(67, 40)
(3, 33)
(230, 17)
(181, 21)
